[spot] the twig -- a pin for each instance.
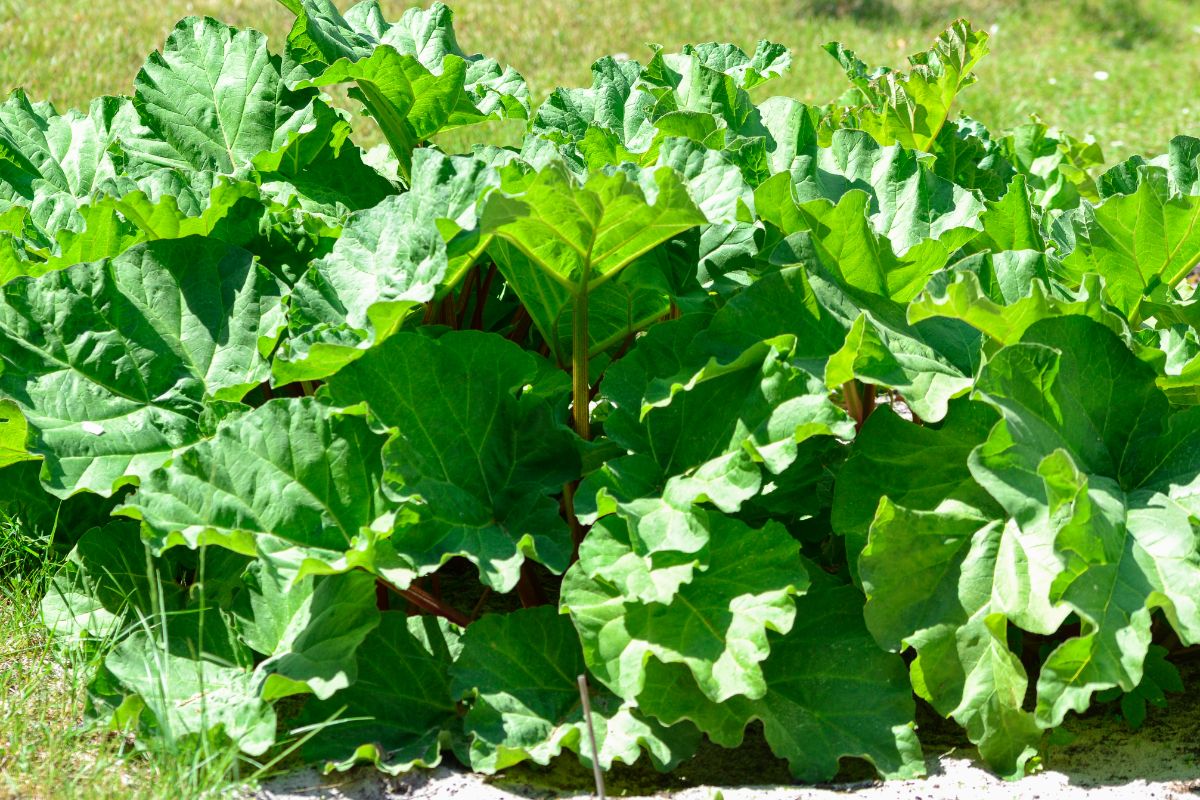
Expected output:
(587, 715)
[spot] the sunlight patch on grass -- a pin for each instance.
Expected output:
(1044, 55)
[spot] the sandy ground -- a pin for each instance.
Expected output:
(1105, 760)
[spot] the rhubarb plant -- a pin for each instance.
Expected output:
(761, 416)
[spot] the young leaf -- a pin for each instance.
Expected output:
(411, 75)
(582, 237)
(911, 108)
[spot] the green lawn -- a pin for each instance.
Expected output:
(45, 750)
(1045, 56)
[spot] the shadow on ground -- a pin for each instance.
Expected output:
(1103, 759)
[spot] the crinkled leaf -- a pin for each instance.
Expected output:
(186, 688)
(1138, 241)
(911, 108)
(831, 693)
(713, 429)
(913, 466)
(1086, 457)
(389, 260)
(293, 481)
(716, 625)
(114, 363)
(216, 97)
(411, 76)
(475, 456)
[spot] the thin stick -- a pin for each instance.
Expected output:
(587, 715)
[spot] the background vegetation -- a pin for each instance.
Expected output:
(1123, 70)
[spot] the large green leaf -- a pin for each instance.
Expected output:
(699, 94)
(960, 294)
(718, 431)
(411, 75)
(846, 244)
(1086, 458)
(908, 202)
(389, 260)
(939, 581)
(916, 467)
(293, 481)
(520, 672)
(844, 334)
(309, 630)
(12, 435)
(116, 364)
(716, 625)
(474, 454)
(830, 693)
(400, 711)
(105, 581)
(183, 689)
(615, 108)
(45, 153)
(215, 98)
(1139, 242)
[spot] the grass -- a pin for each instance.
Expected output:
(1045, 56)
(46, 749)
